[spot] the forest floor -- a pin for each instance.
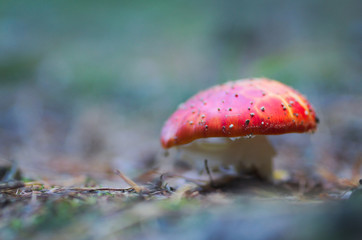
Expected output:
(65, 185)
(228, 208)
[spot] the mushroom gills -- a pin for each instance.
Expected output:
(241, 155)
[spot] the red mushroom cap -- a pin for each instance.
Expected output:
(240, 108)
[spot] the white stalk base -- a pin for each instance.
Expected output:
(252, 155)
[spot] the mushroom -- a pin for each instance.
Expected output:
(219, 124)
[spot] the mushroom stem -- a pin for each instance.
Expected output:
(243, 155)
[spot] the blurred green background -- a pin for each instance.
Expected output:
(79, 78)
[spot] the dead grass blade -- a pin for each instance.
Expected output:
(130, 182)
(209, 173)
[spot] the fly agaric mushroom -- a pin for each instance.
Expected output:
(206, 125)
